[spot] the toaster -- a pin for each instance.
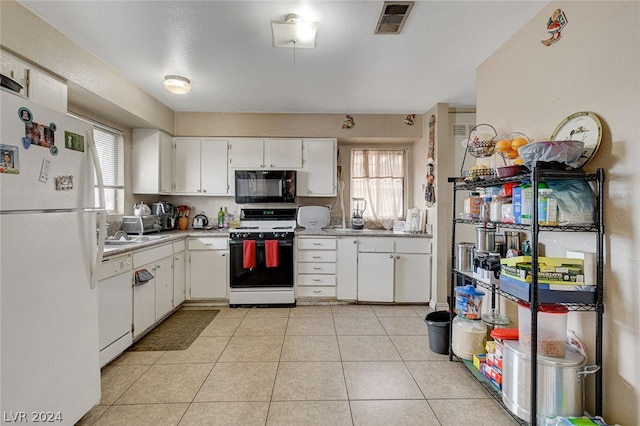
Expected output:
(141, 224)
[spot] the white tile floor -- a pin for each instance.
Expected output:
(309, 365)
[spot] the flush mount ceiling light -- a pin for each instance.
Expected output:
(177, 84)
(294, 32)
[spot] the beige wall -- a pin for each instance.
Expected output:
(527, 87)
(438, 215)
(385, 128)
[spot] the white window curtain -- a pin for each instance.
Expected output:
(378, 176)
(110, 146)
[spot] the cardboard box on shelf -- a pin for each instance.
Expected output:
(551, 270)
(478, 360)
(520, 289)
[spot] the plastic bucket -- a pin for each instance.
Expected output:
(438, 327)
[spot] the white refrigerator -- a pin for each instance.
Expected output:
(49, 352)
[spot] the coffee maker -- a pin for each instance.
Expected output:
(166, 214)
(357, 215)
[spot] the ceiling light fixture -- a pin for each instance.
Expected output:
(294, 32)
(177, 84)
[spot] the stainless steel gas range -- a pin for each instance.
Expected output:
(261, 258)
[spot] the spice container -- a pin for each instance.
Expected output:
(552, 328)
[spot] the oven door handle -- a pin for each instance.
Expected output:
(281, 243)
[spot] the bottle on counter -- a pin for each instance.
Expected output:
(226, 219)
(220, 218)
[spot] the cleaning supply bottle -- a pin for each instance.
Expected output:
(547, 207)
(220, 218)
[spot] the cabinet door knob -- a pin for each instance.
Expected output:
(391, 256)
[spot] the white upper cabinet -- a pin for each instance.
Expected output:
(36, 85)
(214, 166)
(152, 162)
(201, 166)
(255, 154)
(47, 91)
(319, 168)
(283, 153)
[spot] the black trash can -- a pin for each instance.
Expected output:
(438, 327)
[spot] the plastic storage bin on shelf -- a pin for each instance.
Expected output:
(552, 328)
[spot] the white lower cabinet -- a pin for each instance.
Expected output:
(388, 269)
(316, 267)
(164, 287)
(179, 273)
(208, 268)
(413, 270)
(375, 277)
(347, 269)
(152, 299)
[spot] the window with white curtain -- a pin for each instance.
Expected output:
(110, 146)
(378, 176)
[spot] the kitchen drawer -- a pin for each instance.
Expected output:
(179, 246)
(413, 245)
(316, 256)
(208, 243)
(375, 245)
(316, 243)
(151, 255)
(312, 280)
(316, 268)
(316, 292)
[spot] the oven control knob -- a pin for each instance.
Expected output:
(261, 235)
(245, 235)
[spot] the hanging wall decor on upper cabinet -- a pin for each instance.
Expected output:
(555, 25)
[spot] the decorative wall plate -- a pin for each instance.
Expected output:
(582, 126)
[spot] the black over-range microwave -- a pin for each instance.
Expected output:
(265, 186)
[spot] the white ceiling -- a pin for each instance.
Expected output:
(225, 48)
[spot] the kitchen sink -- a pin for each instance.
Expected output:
(123, 239)
(352, 230)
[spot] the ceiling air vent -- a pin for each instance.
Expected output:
(393, 17)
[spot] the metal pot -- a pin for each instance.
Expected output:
(141, 209)
(560, 382)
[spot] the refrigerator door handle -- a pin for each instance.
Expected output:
(100, 211)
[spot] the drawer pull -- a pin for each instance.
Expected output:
(317, 257)
(317, 280)
(317, 291)
(318, 268)
(318, 244)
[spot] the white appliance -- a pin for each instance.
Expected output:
(49, 302)
(313, 217)
(261, 285)
(115, 306)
